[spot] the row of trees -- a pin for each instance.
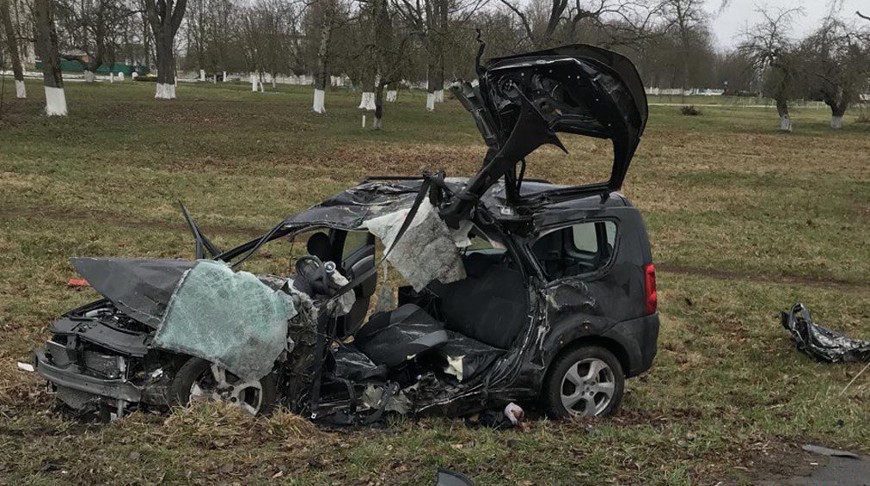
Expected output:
(379, 44)
(832, 64)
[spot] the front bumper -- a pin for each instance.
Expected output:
(72, 377)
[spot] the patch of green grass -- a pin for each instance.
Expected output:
(744, 221)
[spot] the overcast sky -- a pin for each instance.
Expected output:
(728, 24)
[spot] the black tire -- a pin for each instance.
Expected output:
(193, 369)
(554, 382)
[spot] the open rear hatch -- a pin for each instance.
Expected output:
(521, 102)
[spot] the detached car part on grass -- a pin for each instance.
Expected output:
(821, 343)
(519, 290)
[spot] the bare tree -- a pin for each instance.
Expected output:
(429, 20)
(546, 23)
(836, 67)
(269, 37)
(325, 15)
(771, 51)
(94, 27)
(386, 51)
(165, 18)
(688, 20)
(11, 36)
(47, 48)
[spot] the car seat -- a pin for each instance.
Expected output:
(394, 337)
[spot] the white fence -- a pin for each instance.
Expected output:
(681, 92)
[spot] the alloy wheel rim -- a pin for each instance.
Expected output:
(216, 384)
(587, 387)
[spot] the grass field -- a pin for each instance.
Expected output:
(744, 222)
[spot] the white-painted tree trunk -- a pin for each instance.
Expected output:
(224, 79)
(392, 96)
(90, 77)
(273, 82)
(836, 122)
(20, 89)
(319, 98)
(55, 102)
(378, 124)
(202, 74)
(430, 101)
(165, 91)
(439, 96)
(214, 79)
(254, 83)
(785, 123)
(111, 77)
(121, 76)
(368, 101)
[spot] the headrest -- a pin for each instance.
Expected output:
(319, 246)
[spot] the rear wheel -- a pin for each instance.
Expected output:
(587, 381)
(201, 381)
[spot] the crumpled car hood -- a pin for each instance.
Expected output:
(139, 287)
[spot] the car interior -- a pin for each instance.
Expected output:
(575, 250)
(457, 329)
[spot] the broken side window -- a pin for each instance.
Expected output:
(480, 243)
(576, 250)
(354, 241)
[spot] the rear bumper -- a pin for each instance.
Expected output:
(639, 339)
(71, 377)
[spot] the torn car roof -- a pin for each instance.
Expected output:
(351, 208)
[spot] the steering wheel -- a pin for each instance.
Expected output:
(315, 275)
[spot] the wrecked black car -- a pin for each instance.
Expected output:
(510, 289)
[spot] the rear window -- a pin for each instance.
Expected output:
(575, 250)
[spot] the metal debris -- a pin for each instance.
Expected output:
(822, 343)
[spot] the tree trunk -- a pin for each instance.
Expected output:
(321, 72)
(431, 85)
(784, 119)
(146, 42)
(838, 110)
(367, 102)
(90, 76)
(165, 21)
(12, 46)
(46, 43)
(392, 93)
(165, 67)
(443, 7)
(379, 107)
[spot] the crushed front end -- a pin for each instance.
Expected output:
(99, 363)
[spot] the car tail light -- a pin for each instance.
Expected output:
(651, 303)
